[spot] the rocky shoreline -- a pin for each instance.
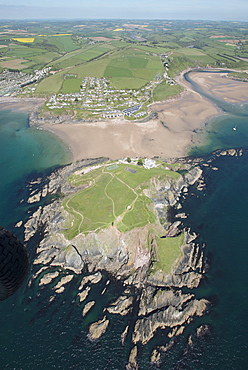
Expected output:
(156, 300)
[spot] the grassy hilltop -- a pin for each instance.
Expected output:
(113, 194)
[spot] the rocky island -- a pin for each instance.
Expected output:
(122, 218)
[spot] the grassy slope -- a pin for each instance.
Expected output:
(168, 251)
(111, 195)
(164, 91)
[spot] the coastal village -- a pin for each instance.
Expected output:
(96, 96)
(12, 83)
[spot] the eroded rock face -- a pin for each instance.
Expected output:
(169, 317)
(132, 362)
(156, 300)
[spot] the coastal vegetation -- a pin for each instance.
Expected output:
(112, 194)
(168, 251)
(164, 91)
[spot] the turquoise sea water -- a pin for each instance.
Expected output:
(38, 334)
(23, 150)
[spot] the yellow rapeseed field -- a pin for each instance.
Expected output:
(25, 39)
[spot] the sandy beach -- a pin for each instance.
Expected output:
(117, 139)
(170, 135)
(222, 86)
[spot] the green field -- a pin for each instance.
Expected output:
(51, 85)
(129, 60)
(164, 91)
(112, 197)
(117, 72)
(71, 85)
(130, 71)
(63, 43)
(240, 75)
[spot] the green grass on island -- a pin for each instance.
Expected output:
(167, 252)
(113, 195)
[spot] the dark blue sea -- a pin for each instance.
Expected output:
(36, 333)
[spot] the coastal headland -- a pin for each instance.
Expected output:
(112, 223)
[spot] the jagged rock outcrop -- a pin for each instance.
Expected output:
(60, 286)
(152, 300)
(157, 296)
(88, 307)
(121, 306)
(98, 328)
(170, 317)
(132, 362)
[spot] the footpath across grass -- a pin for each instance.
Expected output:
(112, 195)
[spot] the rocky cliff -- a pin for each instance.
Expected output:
(155, 298)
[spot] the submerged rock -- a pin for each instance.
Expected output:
(202, 331)
(124, 334)
(155, 357)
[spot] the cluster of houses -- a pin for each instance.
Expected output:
(12, 81)
(164, 60)
(97, 97)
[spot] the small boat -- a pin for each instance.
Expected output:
(235, 128)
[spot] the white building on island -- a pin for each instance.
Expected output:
(149, 163)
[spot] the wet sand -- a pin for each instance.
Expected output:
(222, 86)
(117, 139)
(170, 135)
(23, 104)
